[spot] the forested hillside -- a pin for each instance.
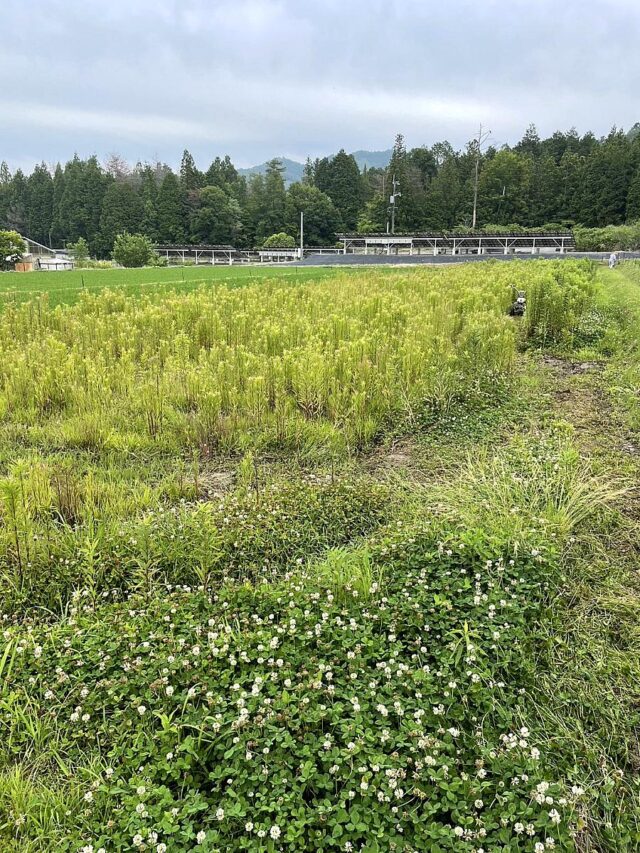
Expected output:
(566, 179)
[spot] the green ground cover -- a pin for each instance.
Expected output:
(66, 287)
(426, 640)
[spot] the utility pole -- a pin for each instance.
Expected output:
(384, 195)
(301, 234)
(482, 137)
(392, 201)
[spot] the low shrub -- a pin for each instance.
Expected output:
(247, 535)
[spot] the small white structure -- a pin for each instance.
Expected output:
(278, 256)
(56, 263)
(40, 257)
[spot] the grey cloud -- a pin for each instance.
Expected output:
(258, 77)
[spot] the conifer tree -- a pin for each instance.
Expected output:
(122, 210)
(267, 202)
(633, 198)
(58, 236)
(5, 189)
(190, 178)
(171, 211)
(149, 197)
(40, 204)
(80, 205)
(340, 178)
(17, 213)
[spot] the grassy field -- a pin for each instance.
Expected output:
(344, 563)
(67, 286)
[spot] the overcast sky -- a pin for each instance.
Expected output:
(258, 78)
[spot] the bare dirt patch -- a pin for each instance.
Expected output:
(213, 483)
(400, 456)
(567, 367)
(579, 396)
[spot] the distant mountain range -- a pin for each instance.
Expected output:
(294, 169)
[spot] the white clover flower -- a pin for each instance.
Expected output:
(137, 840)
(142, 710)
(459, 831)
(88, 797)
(518, 828)
(169, 690)
(248, 826)
(219, 814)
(161, 848)
(200, 837)
(275, 832)
(554, 816)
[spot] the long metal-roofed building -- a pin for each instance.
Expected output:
(442, 243)
(202, 254)
(207, 254)
(418, 243)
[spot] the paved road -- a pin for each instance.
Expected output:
(375, 260)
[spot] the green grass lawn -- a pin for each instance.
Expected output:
(65, 287)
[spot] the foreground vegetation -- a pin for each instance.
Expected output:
(283, 640)
(116, 406)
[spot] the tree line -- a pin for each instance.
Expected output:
(566, 179)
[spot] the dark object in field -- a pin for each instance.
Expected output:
(519, 306)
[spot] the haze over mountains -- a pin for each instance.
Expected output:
(294, 169)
